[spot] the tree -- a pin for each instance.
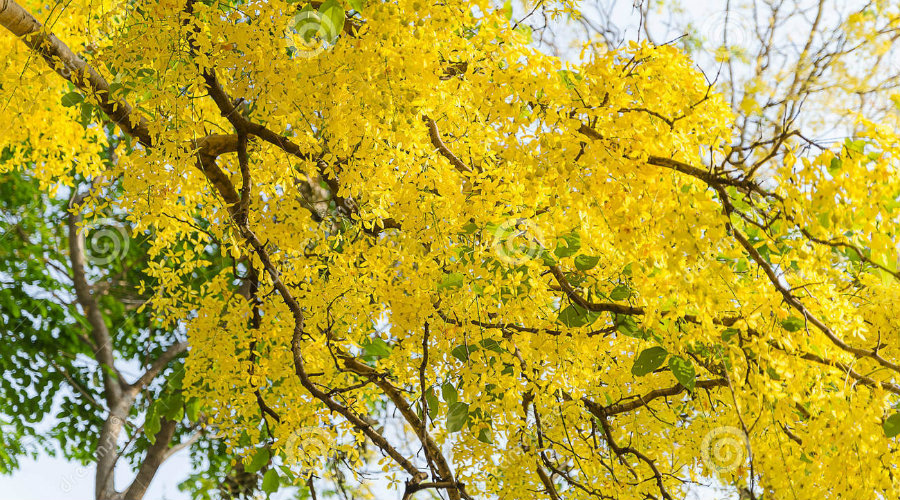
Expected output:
(86, 371)
(454, 259)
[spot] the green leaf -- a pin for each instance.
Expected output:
(648, 361)
(835, 165)
(193, 410)
(525, 30)
(258, 461)
(793, 324)
(462, 352)
(484, 435)
(115, 89)
(626, 326)
(152, 423)
(173, 407)
(470, 228)
(449, 393)
(851, 255)
(507, 9)
(332, 13)
(620, 292)
(491, 345)
(684, 372)
(568, 77)
(891, 425)
(357, 5)
(475, 419)
(87, 111)
(858, 146)
(377, 348)
(456, 418)
(574, 316)
(547, 257)
(452, 280)
(568, 245)
(433, 404)
(736, 199)
(15, 310)
(71, 99)
(586, 262)
(270, 481)
(729, 333)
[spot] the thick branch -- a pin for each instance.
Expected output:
(621, 451)
(844, 369)
(108, 454)
(508, 328)
(299, 366)
(156, 455)
(157, 366)
(208, 149)
(644, 400)
(112, 382)
(71, 67)
(591, 306)
(436, 141)
(193, 438)
(548, 483)
(432, 450)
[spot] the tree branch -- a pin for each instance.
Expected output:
(156, 367)
(644, 400)
(436, 141)
(112, 381)
(71, 67)
(156, 455)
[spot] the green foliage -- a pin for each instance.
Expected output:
(52, 397)
(649, 360)
(575, 316)
(684, 371)
(891, 425)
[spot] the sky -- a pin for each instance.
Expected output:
(49, 478)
